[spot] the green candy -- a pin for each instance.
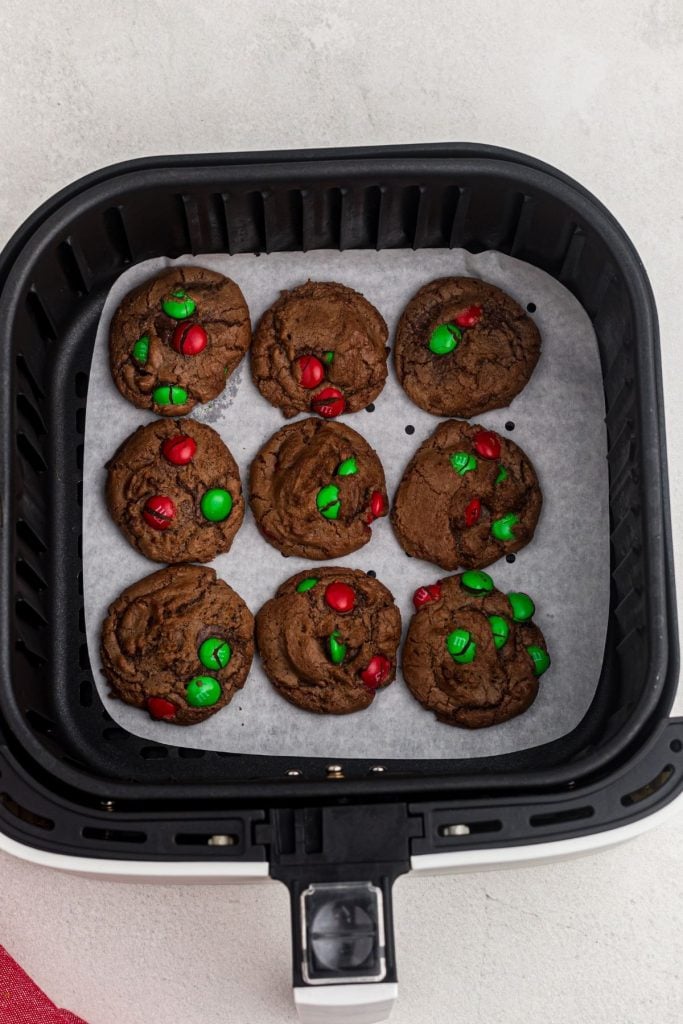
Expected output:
(462, 462)
(336, 648)
(328, 357)
(202, 692)
(500, 630)
(523, 607)
(141, 350)
(444, 339)
(306, 584)
(327, 501)
(179, 306)
(215, 653)
(216, 505)
(169, 395)
(476, 581)
(461, 646)
(502, 529)
(540, 658)
(347, 468)
(502, 475)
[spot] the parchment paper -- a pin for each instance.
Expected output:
(559, 421)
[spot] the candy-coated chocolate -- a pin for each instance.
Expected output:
(444, 339)
(336, 649)
(179, 305)
(306, 584)
(463, 462)
(310, 371)
(329, 403)
(540, 658)
(378, 507)
(327, 501)
(487, 444)
(522, 606)
(328, 357)
(477, 581)
(469, 317)
(203, 692)
(189, 339)
(503, 528)
(215, 653)
(427, 594)
(502, 475)
(141, 350)
(461, 646)
(216, 504)
(340, 597)
(377, 671)
(179, 449)
(169, 395)
(159, 512)
(500, 630)
(349, 467)
(161, 709)
(472, 512)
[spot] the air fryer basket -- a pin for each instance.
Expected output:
(71, 781)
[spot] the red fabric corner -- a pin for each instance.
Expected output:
(22, 1002)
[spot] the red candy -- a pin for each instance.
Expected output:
(329, 403)
(159, 511)
(189, 339)
(377, 506)
(179, 449)
(469, 317)
(340, 597)
(311, 371)
(472, 512)
(377, 671)
(487, 444)
(425, 595)
(160, 708)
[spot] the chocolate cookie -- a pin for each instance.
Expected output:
(464, 346)
(467, 497)
(320, 348)
(178, 643)
(315, 489)
(175, 340)
(472, 655)
(328, 639)
(174, 490)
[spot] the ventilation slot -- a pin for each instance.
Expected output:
(30, 537)
(27, 409)
(24, 814)
(650, 788)
(30, 453)
(559, 817)
(153, 753)
(41, 317)
(29, 575)
(115, 228)
(203, 839)
(29, 377)
(114, 835)
(76, 274)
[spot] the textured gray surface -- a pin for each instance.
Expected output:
(592, 88)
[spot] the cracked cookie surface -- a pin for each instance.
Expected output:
(175, 340)
(328, 639)
(320, 338)
(473, 655)
(178, 644)
(174, 490)
(315, 488)
(464, 346)
(467, 497)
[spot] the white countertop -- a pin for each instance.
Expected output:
(592, 88)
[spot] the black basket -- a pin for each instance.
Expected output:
(71, 780)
